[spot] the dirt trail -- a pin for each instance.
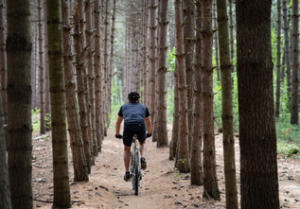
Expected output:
(161, 186)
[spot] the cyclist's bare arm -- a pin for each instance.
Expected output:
(149, 125)
(118, 124)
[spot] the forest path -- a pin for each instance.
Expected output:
(161, 187)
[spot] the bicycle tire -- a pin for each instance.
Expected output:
(136, 176)
(132, 169)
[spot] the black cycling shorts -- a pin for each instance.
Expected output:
(130, 130)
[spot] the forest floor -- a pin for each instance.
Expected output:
(161, 186)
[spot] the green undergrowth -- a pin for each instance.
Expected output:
(288, 137)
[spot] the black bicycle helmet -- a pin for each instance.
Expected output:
(133, 96)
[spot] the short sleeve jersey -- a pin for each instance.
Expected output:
(133, 113)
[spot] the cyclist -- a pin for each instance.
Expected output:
(135, 116)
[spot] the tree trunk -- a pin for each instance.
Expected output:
(287, 53)
(283, 68)
(105, 63)
(134, 52)
(155, 120)
(3, 71)
(259, 177)
(189, 47)
(122, 86)
(277, 111)
(152, 55)
(5, 197)
(112, 35)
(62, 197)
(80, 68)
(162, 133)
(227, 115)
(290, 31)
(145, 52)
(3, 62)
(33, 71)
(209, 156)
(19, 129)
(196, 162)
(41, 71)
(36, 68)
(126, 59)
(183, 161)
(175, 127)
(172, 33)
(46, 70)
(89, 45)
(98, 75)
(129, 76)
(216, 39)
(102, 8)
(231, 33)
(79, 160)
(37, 101)
(295, 64)
(86, 75)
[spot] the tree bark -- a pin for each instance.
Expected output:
(78, 156)
(89, 45)
(286, 51)
(189, 46)
(5, 197)
(183, 161)
(80, 68)
(105, 63)
(172, 32)
(227, 115)
(295, 64)
(41, 71)
(175, 127)
(216, 39)
(19, 130)
(62, 197)
(259, 177)
(33, 71)
(102, 9)
(3, 62)
(112, 35)
(35, 83)
(134, 51)
(152, 55)
(46, 70)
(209, 156)
(98, 75)
(127, 62)
(162, 133)
(86, 74)
(196, 161)
(3, 71)
(231, 33)
(277, 111)
(145, 51)
(283, 67)
(155, 120)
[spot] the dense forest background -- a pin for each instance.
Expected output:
(203, 67)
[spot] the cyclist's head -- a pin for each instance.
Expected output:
(133, 96)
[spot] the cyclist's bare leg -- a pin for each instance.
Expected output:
(126, 157)
(143, 148)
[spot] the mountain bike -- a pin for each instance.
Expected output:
(135, 168)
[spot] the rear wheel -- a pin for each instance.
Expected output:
(132, 172)
(136, 179)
